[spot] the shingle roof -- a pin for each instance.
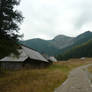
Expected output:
(19, 58)
(33, 54)
(25, 52)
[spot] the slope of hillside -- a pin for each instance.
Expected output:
(82, 38)
(59, 44)
(79, 40)
(49, 47)
(84, 50)
(42, 46)
(62, 41)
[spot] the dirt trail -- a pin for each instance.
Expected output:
(78, 81)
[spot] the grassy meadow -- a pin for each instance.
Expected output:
(39, 80)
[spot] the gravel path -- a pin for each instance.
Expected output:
(78, 81)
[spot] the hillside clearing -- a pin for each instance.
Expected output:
(39, 80)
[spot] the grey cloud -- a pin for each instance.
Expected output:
(85, 15)
(52, 17)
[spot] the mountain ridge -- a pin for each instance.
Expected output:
(58, 44)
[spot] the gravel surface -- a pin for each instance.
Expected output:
(78, 81)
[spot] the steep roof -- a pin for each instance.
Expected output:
(33, 54)
(25, 52)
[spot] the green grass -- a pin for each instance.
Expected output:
(62, 67)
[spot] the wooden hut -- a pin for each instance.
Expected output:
(52, 59)
(28, 58)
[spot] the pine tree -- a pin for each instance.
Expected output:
(9, 26)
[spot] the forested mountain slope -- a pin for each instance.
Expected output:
(84, 50)
(43, 46)
(79, 40)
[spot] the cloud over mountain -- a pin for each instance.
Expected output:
(48, 18)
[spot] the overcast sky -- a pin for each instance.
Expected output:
(48, 18)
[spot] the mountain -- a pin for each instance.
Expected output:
(83, 50)
(43, 46)
(49, 47)
(59, 44)
(80, 39)
(61, 41)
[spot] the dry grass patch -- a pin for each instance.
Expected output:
(39, 80)
(90, 69)
(32, 81)
(73, 63)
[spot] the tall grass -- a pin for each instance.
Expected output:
(38, 80)
(32, 81)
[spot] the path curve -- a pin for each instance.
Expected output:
(78, 81)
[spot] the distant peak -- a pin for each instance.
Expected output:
(61, 37)
(86, 33)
